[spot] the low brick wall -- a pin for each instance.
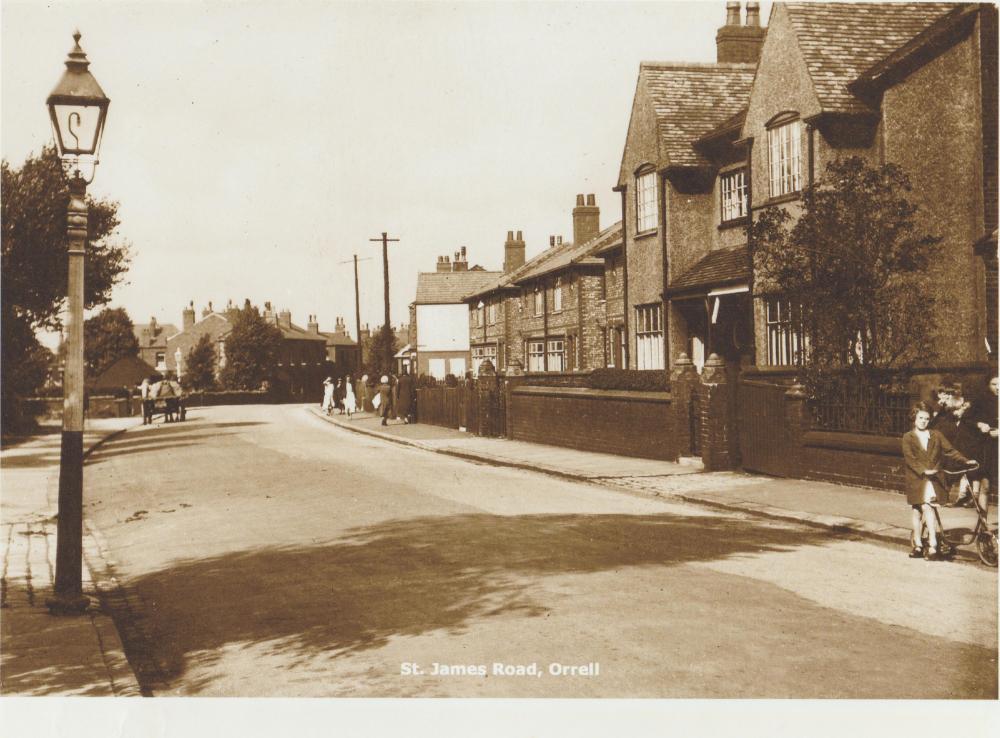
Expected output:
(608, 421)
(852, 458)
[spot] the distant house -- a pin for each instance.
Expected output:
(439, 316)
(152, 338)
(551, 312)
(341, 350)
(214, 324)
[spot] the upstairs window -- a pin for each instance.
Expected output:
(784, 146)
(557, 297)
(539, 301)
(734, 195)
(645, 201)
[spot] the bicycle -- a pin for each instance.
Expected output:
(984, 536)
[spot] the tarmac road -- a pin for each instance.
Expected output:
(268, 553)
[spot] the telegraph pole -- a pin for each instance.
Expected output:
(385, 278)
(357, 304)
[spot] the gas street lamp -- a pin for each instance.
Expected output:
(78, 108)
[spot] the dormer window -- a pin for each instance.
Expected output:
(784, 146)
(733, 186)
(645, 201)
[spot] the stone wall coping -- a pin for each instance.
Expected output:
(848, 441)
(596, 394)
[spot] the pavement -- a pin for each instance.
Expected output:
(44, 654)
(880, 515)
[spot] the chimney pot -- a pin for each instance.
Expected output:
(732, 13)
(510, 235)
(579, 201)
(558, 240)
(552, 241)
(519, 238)
(591, 201)
(753, 14)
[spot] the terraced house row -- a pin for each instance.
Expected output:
(671, 286)
(710, 145)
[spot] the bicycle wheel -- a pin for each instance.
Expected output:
(986, 544)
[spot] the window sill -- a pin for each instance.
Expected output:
(646, 233)
(735, 223)
(789, 197)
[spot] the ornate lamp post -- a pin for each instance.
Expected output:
(78, 108)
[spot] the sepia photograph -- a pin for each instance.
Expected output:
(532, 368)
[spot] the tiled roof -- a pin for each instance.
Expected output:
(573, 254)
(128, 371)
(443, 288)
(692, 99)
(163, 331)
(732, 124)
(718, 267)
(839, 41)
(508, 279)
(300, 334)
(338, 339)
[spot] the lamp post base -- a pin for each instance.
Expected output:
(67, 605)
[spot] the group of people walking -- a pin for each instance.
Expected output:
(167, 389)
(391, 398)
(953, 431)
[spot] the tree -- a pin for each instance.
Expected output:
(252, 349)
(854, 269)
(107, 337)
(199, 366)
(34, 264)
(381, 349)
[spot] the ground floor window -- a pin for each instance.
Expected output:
(784, 333)
(480, 354)
(536, 356)
(557, 355)
(649, 336)
(435, 367)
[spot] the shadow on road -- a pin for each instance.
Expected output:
(160, 437)
(406, 578)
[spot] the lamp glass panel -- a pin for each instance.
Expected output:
(78, 127)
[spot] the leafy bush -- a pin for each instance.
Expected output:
(634, 380)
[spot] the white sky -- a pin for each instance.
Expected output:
(253, 146)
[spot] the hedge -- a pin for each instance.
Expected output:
(636, 380)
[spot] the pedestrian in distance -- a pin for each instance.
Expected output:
(338, 395)
(154, 395)
(350, 401)
(924, 452)
(145, 393)
(385, 400)
(327, 404)
(363, 394)
(405, 396)
(166, 393)
(394, 383)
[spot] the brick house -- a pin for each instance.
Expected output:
(914, 85)
(549, 313)
(342, 351)
(439, 319)
(152, 338)
(680, 257)
(215, 324)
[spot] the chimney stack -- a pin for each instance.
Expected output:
(461, 263)
(187, 316)
(740, 44)
(313, 326)
(269, 313)
(513, 252)
(586, 220)
(285, 319)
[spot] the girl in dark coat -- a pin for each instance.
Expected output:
(924, 451)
